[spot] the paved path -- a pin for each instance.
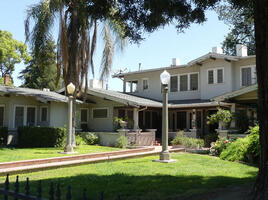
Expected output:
(37, 164)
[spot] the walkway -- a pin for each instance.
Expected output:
(38, 164)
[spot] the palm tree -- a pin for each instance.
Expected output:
(76, 40)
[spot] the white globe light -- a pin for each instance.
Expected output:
(165, 77)
(70, 88)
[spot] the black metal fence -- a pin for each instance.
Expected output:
(55, 192)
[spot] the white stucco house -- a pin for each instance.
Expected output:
(195, 91)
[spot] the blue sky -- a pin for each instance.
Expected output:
(157, 50)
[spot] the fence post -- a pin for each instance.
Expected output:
(6, 187)
(27, 187)
(69, 195)
(51, 191)
(17, 188)
(58, 193)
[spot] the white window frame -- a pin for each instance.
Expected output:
(3, 105)
(101, 108)
(24, 114)
(253, 75)
(143, 84)
(189, 82)
(41, 112)
(215, 75)
(87, 115)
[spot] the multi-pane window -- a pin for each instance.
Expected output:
(25, 116)
(100, 113)
(210, 76)
(1, 116)
(44, 114)
(246, 76)
(30, 116)
(132, 86)
(145, 84)
(183, 82)
(19, 116)
(174, 83)
(215, 76)
(193, 81)
(83, 115)
(219, 75)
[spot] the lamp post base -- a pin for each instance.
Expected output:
(165, 158)
(165, 161)
(68, 149)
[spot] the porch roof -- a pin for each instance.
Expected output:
(195, 103)
(39, 94)
(246, 93)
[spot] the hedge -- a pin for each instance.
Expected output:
(3, 135)
(41, 137)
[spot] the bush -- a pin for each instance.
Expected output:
(211, 137)
(121, 142)
(90, 138)
(41, 137)
(220, 145)
(188, 142)
(3, 135)
(244, 149)
(79, 140)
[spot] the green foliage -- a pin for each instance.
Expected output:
(244, 149)
(10, 83)
(121, 142)
(79, 140)
(220, 145)
(41, 137)
(12, 52)
(188, 142)
(211, 137)
(222, 115)
(41, 71)
(3, 135)
(90, 138)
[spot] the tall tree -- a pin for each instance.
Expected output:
(12, 52)
(241, 23)
(41, 71)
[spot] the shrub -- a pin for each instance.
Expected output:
(3, 135)
(188, 142)
(222, 115)
(79, 140)
(220, 145)
(209, 138)
(244, 149)
(121, 142)
(41, 137)
(90, 138)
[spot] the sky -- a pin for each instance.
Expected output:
(157, 50)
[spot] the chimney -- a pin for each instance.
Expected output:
(46, 89)
(6, 79)
(139, 66)
(217, 50)
(175, 62)
(241, 50)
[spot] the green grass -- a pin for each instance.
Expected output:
(14, 154)
(140, 177)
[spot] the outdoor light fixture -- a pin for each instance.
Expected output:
(165, 77)
(70, 88)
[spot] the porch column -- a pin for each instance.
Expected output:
(124, 86)
(233, 125)
(194, 119)
(136, 118)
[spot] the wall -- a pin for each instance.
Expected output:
(58, 114)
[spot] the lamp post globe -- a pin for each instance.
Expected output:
(70, 88)
(165, 77)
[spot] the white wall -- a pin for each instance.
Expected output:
(58, 114)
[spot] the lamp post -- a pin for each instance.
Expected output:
(164, 155)
(70, 90)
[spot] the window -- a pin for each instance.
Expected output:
(44, 114)
(183, 83)
(248, 75)
(1, 116)
(220, 76)
(174, 83)
(83, 115)
(210, 77)
(19, 116)
(132, 86)
(145, 84)
(193, 81)
(30, 116)
(100, 113)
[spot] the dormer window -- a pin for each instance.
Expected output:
(215, 76)
(145, 85)
(132, 86)
(173, 83)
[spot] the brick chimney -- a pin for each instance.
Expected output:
(6, 79)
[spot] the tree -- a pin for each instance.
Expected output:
(241, 23)
(41, 71)
(12, 52)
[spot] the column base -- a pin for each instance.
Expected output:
(165, 161)
(68, 149)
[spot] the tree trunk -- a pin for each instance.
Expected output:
(260, 189)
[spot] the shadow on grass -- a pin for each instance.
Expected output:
(133, 187)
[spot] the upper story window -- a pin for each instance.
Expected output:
(248, 75)
(132, 86)
(193, 81)
(100, 113)
(174, 83)
(215, 76)
(145, 85)
(183, 82)
(1, 116)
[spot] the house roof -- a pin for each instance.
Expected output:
(237, 93)
(195, 103)
(191, 63)
(39, 94)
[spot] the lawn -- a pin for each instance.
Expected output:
(14, 154)
(140, 177)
